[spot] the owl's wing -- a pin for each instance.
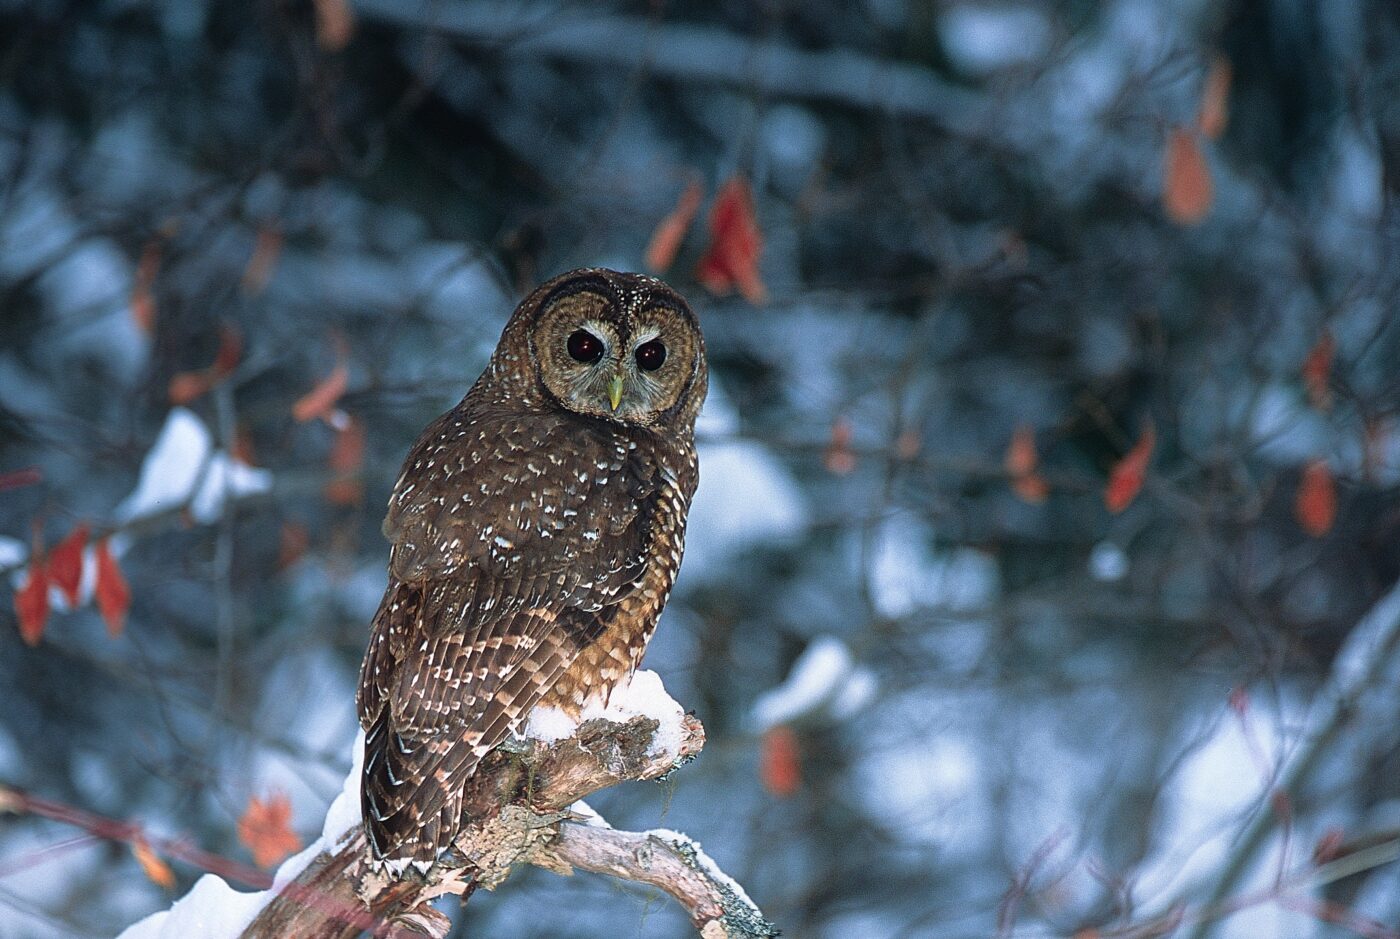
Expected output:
(499, 575)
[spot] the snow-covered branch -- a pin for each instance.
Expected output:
(524, 807)
(717, 905)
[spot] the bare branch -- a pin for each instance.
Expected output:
(692, 53)
(1370, 658)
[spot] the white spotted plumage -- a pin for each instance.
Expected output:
(534, 543)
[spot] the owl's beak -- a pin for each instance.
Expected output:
(615, 391)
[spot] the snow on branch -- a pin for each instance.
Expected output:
(524, 807)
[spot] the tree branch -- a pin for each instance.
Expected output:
(1369, 659)
(518, 804)
(693, 53)
(717, 906)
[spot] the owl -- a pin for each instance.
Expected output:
(536, 530)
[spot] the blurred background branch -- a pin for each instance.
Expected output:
(1051, 465)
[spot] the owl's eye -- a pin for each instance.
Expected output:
(650, 355)
(585, 347)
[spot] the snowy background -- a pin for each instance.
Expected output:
(940, 702)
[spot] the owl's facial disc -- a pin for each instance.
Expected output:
(628, 366)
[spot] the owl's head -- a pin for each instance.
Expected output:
(621, 347)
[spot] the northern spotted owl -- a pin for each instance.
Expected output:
(536, 530)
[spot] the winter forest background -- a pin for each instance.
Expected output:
(1050, 468)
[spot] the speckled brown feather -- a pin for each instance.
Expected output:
(533, 550)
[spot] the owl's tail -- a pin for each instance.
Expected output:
(411, 793)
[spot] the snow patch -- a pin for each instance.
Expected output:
(183, 468)
(982, 40)
(745, 497)
(1108, 562)
(644, 696)
(12, 551)
(824, 678)
(587, 815)
(214, 910)
(211, 910)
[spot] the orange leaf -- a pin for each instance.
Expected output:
(32, 603)
(266, 250)
(292, 544)
(1317, 371)
(1031, 488)
(1020, 463)
(266, 829)
(186, 386)
(1316, 505)
(838, 458)
(1329, 846)
(907, 444)
(157, 870)
(780, 762)
(334, 24)
(1215, 99)
(66, 563)
(735, 245)
(666, 239)
(346, 458)
(319, 400)
(113, 594)
(1126, 477)
(241, 447)
(143, 303)
(1187, 191)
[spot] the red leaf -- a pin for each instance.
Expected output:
(154, 868)
(241, 447)
(319, 400)
(1317, 371)
(32, 603)
(334, 24)
(1020, 463)
(143, 303)
(780, 763)
(1215, 99)
(1187, 191)
(838, 458)
(735, 245)
(266, 829)
(346, 458)
(66, 563)
(113, 595)
(1316, 505)
(230, 352)
(18, 479)
(1329, 846)
(292, 544)
(670, 232)
(1126, 477)
(266, 250)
